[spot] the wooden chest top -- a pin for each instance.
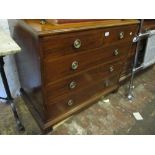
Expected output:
(49, 29)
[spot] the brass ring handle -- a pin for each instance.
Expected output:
(70, 102)
(72, 85)
(75, 65)
(43, 21)
(116, 52)
(131, 33)
(121, 35)
(77, 43)
(111, 68)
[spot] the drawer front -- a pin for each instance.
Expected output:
(132, 51)
(66, 103)
(81, 81)
(63, 44)
(70, 43)
(127, 68)
(70, 65)
(119, 34)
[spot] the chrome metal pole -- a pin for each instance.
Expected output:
(130, 95)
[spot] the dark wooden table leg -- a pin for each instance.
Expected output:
(9, 98)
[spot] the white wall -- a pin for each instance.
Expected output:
(10, 68)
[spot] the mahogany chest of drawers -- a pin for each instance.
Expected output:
(65, 68)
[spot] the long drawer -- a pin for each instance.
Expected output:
(81, 81)
(73, 64)
(63, 44)
(127, 68)
(68, 102)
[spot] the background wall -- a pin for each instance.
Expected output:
(10, 68)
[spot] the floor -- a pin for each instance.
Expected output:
(111, 115)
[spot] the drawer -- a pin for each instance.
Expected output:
(62, 44)
(66, 103)
(81, 81)
(129, 61)
(73, 64)
(119, 34)
(70, 43)
(132, 51)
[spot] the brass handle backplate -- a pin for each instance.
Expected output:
(121, 35)
(116, 52)
(43, 21)
(111, 68)
(72, 85)
(77, 43)
(75, 65)
(70, 102)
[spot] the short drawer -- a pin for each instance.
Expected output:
(81, 81)
(119, 34)
(66, 103)
(70, 65)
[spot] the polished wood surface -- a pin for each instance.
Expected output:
(96, 57)
(129, 61)
(65, 43)
(58, 77)
(66, 21)
(49, 29)
(28, 64)
(82, 80)
(60, 106)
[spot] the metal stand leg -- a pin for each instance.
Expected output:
(9, 97)
(130, 94)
